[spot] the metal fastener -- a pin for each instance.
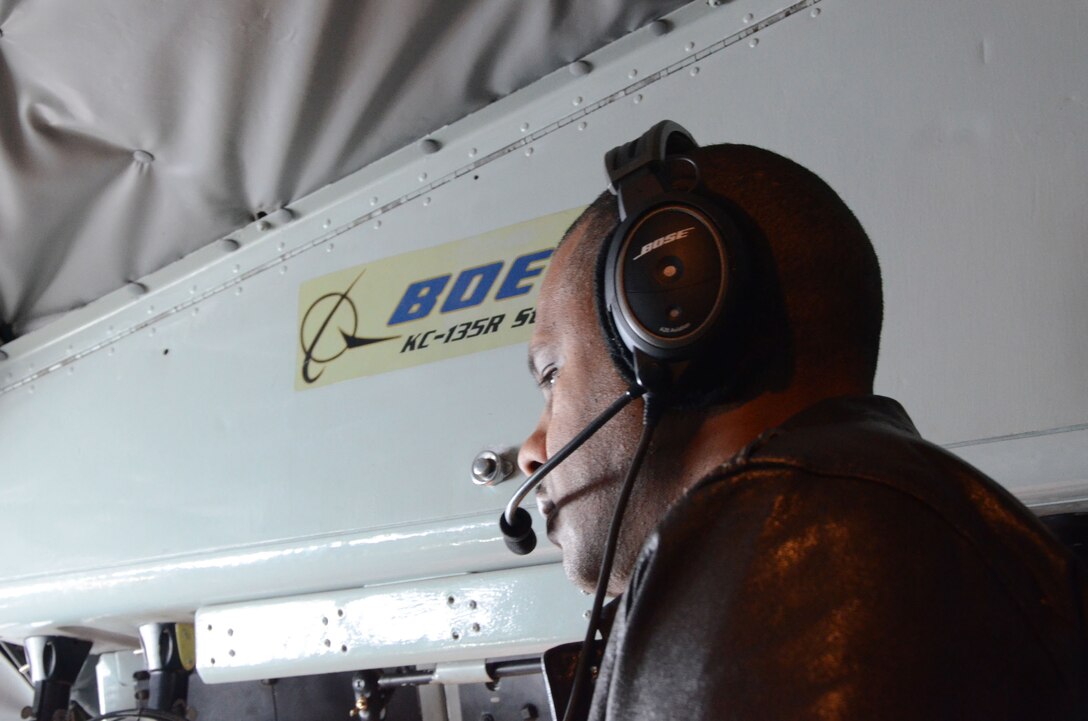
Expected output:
(580, 67)
(490, 468)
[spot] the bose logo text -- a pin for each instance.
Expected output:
(663, 240)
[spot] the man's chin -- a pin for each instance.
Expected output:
(578, 576)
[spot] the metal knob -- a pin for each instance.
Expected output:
(490, 467)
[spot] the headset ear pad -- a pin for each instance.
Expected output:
(671, 278)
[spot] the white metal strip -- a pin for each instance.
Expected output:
(470, 617)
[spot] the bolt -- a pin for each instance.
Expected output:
(429, 146)
(660, 27)
(529, 712)
(484, 467)
(486, 717)
(489, 467)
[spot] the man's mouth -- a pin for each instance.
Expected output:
(545, 507)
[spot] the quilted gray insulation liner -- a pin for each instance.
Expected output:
(133, 132)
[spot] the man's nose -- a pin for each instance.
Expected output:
(533, 451)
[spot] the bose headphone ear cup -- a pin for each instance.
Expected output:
(670, 277)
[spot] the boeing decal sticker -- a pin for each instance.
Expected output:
(462, 297)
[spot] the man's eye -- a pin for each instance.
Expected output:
(548, 377)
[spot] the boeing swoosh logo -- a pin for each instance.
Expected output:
(338, 306)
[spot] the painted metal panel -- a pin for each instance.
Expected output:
(504, 613)
(157, 458)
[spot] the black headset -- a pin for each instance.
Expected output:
(671, 276)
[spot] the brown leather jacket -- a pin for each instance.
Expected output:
(843, 568)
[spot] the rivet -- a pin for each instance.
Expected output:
(450, 600)
(192, 290)
(585, 614)
(749, 18)
(429, 146)
(231, 652)
(30, 390)
(344, 648)
(151, 332)
(151, 310)
(283, 270)
(281, 216)
(422, 177)
(689, 47)
(637, 99)
(142, 156)
(525, 127)
(528, 151)
(695, 71)
(196, 311)
(472, 605)
(633, 74)
(324, 621)
(753, 42)
(137, 289)
(454, 634)
(281, 246)
(71, 370)
(715, 3)
(475, 628)
(69, 349)
(229, 244)
(340, 612)
(427, 200)
(236, 269)
(326, 225)
(815, 12)
(330, 247)
(472, 152)
(660, 27)
(577, 101)
(230, 631)
(264, 225)
(213, 661)
(238, 290)
(328, 643)
(112, 350)
(374, 200)
(583, 125)
(580, 67)
(377, 224)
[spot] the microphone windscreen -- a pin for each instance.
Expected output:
(519, 536)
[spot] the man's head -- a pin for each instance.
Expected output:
(810, 330)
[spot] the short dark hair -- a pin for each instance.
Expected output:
(822, 264)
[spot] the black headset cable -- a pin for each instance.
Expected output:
(578, 694)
